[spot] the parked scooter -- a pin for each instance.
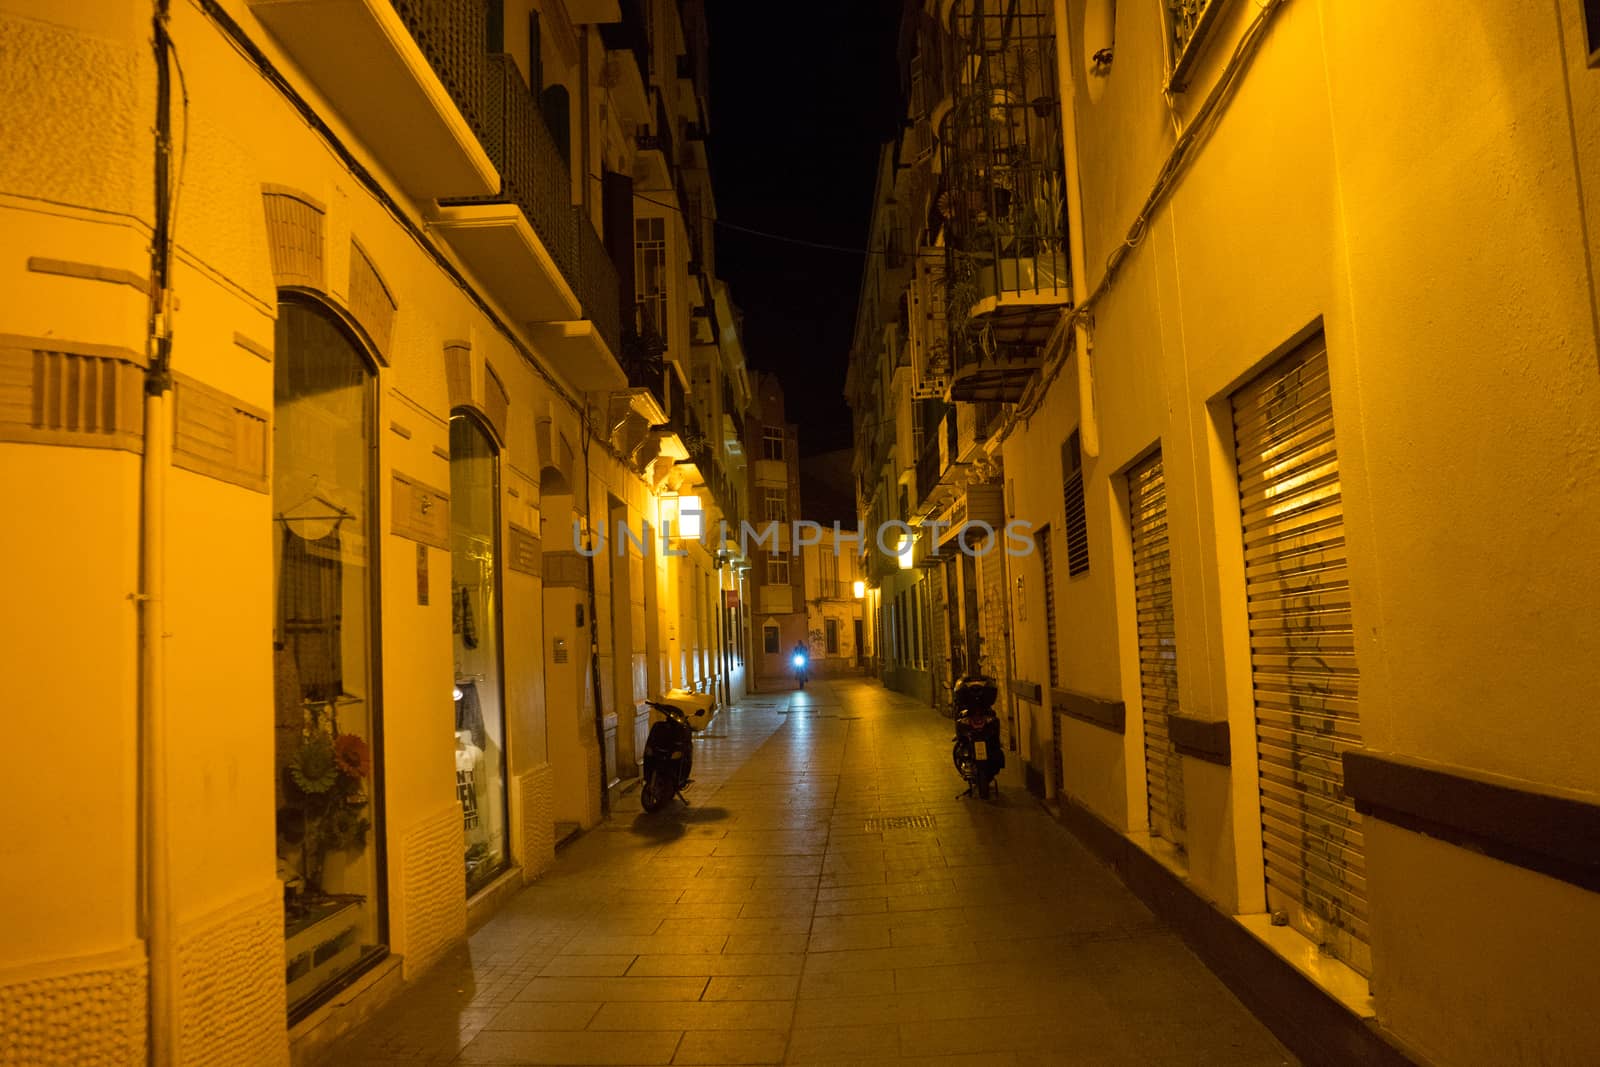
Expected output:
(800, 662)
(978, 753)
(669, 746)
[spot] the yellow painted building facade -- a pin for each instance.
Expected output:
(1308, 629)
(249, 610)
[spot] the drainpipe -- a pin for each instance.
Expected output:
(1088, 421)
(156, 875)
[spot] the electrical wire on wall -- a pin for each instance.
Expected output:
(155, 908)
(594, 622)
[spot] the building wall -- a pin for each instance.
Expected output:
(1437, 240)
(75, 188)
(831, 571)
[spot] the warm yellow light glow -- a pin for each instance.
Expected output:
(907, 547)
(690, 517)
(860, 588)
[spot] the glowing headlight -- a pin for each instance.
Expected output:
(799, 660)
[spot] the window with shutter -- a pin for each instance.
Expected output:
(1302, 650)
(1043, 542)
(1077, 513)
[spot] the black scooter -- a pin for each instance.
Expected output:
(669, 746)
(978, 753)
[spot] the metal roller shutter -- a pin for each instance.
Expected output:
(1158, 646)
(1302, 650)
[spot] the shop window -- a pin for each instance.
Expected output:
(479, 695)
(328, 822)
(770, 638)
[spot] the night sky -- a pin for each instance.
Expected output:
(801, 98)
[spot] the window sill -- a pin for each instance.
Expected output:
(1164, 852)
(1337, 980)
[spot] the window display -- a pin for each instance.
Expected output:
(322, 506)
(475, 621)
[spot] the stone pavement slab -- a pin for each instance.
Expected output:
(824, 899)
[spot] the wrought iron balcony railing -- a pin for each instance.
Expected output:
(451, 35)
(596, 283)
(533, 173)
(1003, 196)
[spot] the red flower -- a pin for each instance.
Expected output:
(352, 755)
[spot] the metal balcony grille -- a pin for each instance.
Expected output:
(533, 174)
(1002, 199)
(1190, 21)
(597, 285)
(451, 35)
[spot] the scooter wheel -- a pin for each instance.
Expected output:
(656, 790)
(961, 756)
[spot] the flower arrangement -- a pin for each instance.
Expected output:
(325, 796)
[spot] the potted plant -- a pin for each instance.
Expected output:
(324, 799)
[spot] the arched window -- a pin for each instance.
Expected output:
(326, 715)
(480, 718)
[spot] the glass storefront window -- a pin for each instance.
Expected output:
(480, 720)
(322, 504)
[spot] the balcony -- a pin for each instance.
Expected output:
(627, 44)
(589, 350)
(940, 455)
(521, 241)
(658, 152)
(375, 59)
(1003, 200)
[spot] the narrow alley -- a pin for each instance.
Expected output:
(825, 899)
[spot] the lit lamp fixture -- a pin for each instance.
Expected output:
(690, 518)
(908, 545)
(860, 589)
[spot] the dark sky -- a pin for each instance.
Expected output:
(801, 98)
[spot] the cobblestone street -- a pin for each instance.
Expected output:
(824, 899)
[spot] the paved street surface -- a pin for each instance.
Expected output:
(825, 899)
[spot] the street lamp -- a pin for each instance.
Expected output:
(860, 589)
(908, 544)
(690, 517)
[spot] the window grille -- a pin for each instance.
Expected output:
(650, 274)
(1077, 514)
(832, 636)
